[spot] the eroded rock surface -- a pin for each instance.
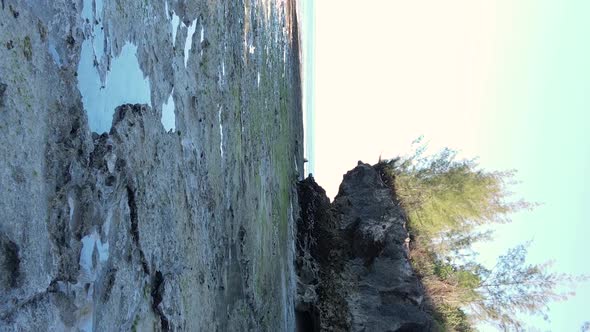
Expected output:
(352, 259)
(141, 228)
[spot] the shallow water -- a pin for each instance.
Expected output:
(168, 117)
(123, 83)
(188, 44)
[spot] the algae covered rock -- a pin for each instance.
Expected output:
(111, 221)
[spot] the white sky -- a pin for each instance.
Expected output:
(390, 71)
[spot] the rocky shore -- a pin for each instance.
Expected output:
(150, 170)
(142, 224)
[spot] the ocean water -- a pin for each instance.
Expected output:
(308, 78)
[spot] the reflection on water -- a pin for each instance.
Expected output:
(168, 117)
(123, 84)
(188, 43)
(124, 81)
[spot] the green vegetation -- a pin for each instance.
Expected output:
(446, 201)
(27, 48)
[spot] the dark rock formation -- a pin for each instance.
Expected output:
(353, 268)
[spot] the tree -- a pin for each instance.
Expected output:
(443, 194)
(445, 200)
(513, 286)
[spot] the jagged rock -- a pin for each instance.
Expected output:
(353, 255)
(319, 248)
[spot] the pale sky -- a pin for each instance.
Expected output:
(389, 71)
(507, 81)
